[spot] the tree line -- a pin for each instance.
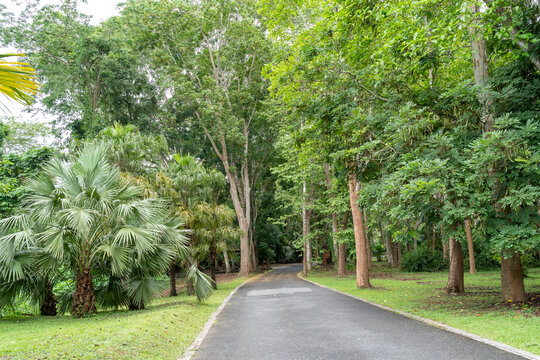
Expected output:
(349, 128)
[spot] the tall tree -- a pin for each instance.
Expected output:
(214, 52)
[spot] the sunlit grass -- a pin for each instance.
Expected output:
(479, 311)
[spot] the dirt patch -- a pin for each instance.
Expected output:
(529, 308)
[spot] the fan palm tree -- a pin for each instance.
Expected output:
(90, 219)
(213, 224)
(21, 273)
(17, 80)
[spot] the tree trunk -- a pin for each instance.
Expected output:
(362, 267)
(227, 265)
(369, 254)
(306, 214)
(342, 258)
(399, 253)
(334, 232)
(385, 241)
(242, 209)
(433, 239)
(213, 259)
(455, 284)
(472, 265)
(512, 287)
(48, 306)
(134, 306)
(172, 279)
(83, 298)
(254, 257)
(444, 244)
(190, 288)
(334, 215)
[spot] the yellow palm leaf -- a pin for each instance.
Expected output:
(17, 80)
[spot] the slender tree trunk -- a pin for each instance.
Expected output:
(444, 244)
(394, 251)
(369, 254)
(135, 306)
(172, 279)
(335, 229)
(455, 284)
(241, 198)
(254, 257)
(433, 239)
(512, 285)
(472, 264)
(83, 298)
(342, 258)
(48, 306)
(306, 228)
(334, 215)
(362, 266)
(190, 288)
(227, 265)
(213, 259)
(384, 241)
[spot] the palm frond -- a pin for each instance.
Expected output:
(17, 80)
(202, 283)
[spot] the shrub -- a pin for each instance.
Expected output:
(423, 260)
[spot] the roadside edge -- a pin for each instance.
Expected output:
(192, 349)
(496, 344)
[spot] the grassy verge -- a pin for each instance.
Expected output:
(162, 331)
(479, 311)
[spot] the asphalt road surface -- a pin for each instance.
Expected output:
(278, 316)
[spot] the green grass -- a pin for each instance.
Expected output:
(162, 331)
(479, 311)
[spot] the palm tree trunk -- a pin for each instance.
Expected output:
(48, 306)
(83, 298)
(135, 306)
(172, 279)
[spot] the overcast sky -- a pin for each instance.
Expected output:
(100, 10)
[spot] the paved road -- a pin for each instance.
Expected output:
(279, 316)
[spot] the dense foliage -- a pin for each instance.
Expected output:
(258, 132)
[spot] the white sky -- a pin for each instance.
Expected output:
(100, 10)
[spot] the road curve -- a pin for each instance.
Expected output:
(278, 316)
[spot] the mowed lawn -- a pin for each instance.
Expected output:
(162, 331)
(479, 311)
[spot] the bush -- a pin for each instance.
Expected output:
(423, 260)
(378, 251)
(484, 258)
